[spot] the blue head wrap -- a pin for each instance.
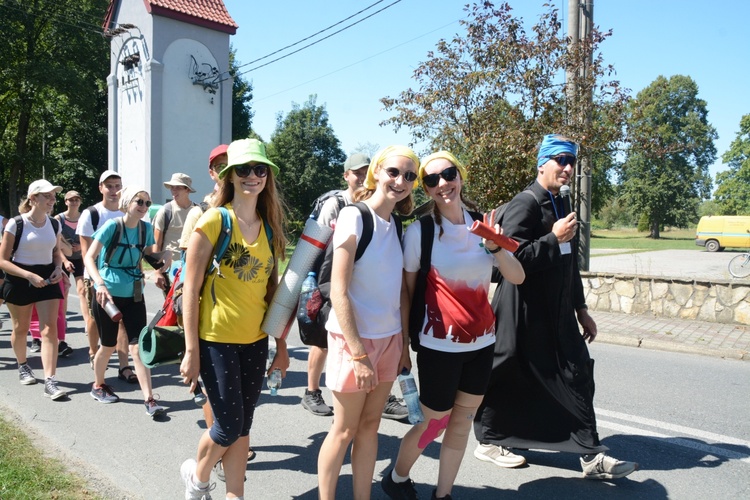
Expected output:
(553, 145)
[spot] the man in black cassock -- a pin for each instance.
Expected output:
(542, 387)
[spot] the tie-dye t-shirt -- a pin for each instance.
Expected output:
(240, 305)
(458, 314)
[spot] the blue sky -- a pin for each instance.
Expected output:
(352, 70)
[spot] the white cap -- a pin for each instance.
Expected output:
(43, 186)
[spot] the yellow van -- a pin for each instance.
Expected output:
(715, 232)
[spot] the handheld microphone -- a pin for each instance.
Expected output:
(565, 194)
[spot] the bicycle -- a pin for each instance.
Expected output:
(739, 266)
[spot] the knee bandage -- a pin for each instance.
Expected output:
(457, 432)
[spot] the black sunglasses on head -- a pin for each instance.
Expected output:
(432, 180)
(259, 169)
(564, 160)
(393, 173)
(142, 202)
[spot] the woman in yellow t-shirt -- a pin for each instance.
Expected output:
(223, 339)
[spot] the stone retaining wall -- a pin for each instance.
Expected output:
(720, 301)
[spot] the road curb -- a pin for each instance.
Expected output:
(660, 345)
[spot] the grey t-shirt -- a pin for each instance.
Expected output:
(330, 209)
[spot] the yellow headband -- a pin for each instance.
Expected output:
(445, 155)
(383, 155)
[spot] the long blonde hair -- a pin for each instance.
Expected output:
(271, 207)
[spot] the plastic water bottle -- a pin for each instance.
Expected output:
(271, 351)
(308, 287)
(274, 381)
(411, 396)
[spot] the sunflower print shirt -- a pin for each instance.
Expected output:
(236, 316)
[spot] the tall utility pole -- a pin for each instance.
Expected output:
(580, 23)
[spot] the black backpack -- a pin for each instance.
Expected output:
(320, 201)
(314, 333)
(94, 216)
(417, 309)
(116, 242)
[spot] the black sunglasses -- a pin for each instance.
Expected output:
(432, 180)
(141, 202)
(393, 173)
(259, 169)
(564, 160)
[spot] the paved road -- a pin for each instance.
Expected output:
(124, 454)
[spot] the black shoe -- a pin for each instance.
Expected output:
(398, 491)
(64, 350)
(446, 497)
(36, 345)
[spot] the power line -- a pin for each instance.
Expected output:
(357, 62)
(313, 35)
(317, 41)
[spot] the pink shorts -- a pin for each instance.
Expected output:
(384, 355)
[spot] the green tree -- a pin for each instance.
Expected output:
(309, 156)
(242, 94)
(53, 113)
(491, 94)
(709, 207)
(670, 147)
(733, 191)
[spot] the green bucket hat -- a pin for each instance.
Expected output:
(246, 151)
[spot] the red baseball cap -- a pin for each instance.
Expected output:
(218, 150)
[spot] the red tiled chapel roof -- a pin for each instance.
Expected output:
(208, 13)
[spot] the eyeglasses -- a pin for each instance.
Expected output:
(141, 202)
(564, 160)
(432, 180)
(218, 167)
(259, 169)
(393, 173)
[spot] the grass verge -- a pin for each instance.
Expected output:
(26, 473)
(671, 239)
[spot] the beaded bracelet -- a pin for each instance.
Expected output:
(359, 358)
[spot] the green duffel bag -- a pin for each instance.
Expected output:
(161, 345)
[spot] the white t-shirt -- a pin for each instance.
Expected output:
(86, 228)
(459, 317)
(375, 287)
(36, 243)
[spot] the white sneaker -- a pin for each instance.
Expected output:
(498, 455)
(192, 492)
(606, 467)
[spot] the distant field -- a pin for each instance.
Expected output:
(671, 239)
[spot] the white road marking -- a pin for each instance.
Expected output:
(675, 431)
